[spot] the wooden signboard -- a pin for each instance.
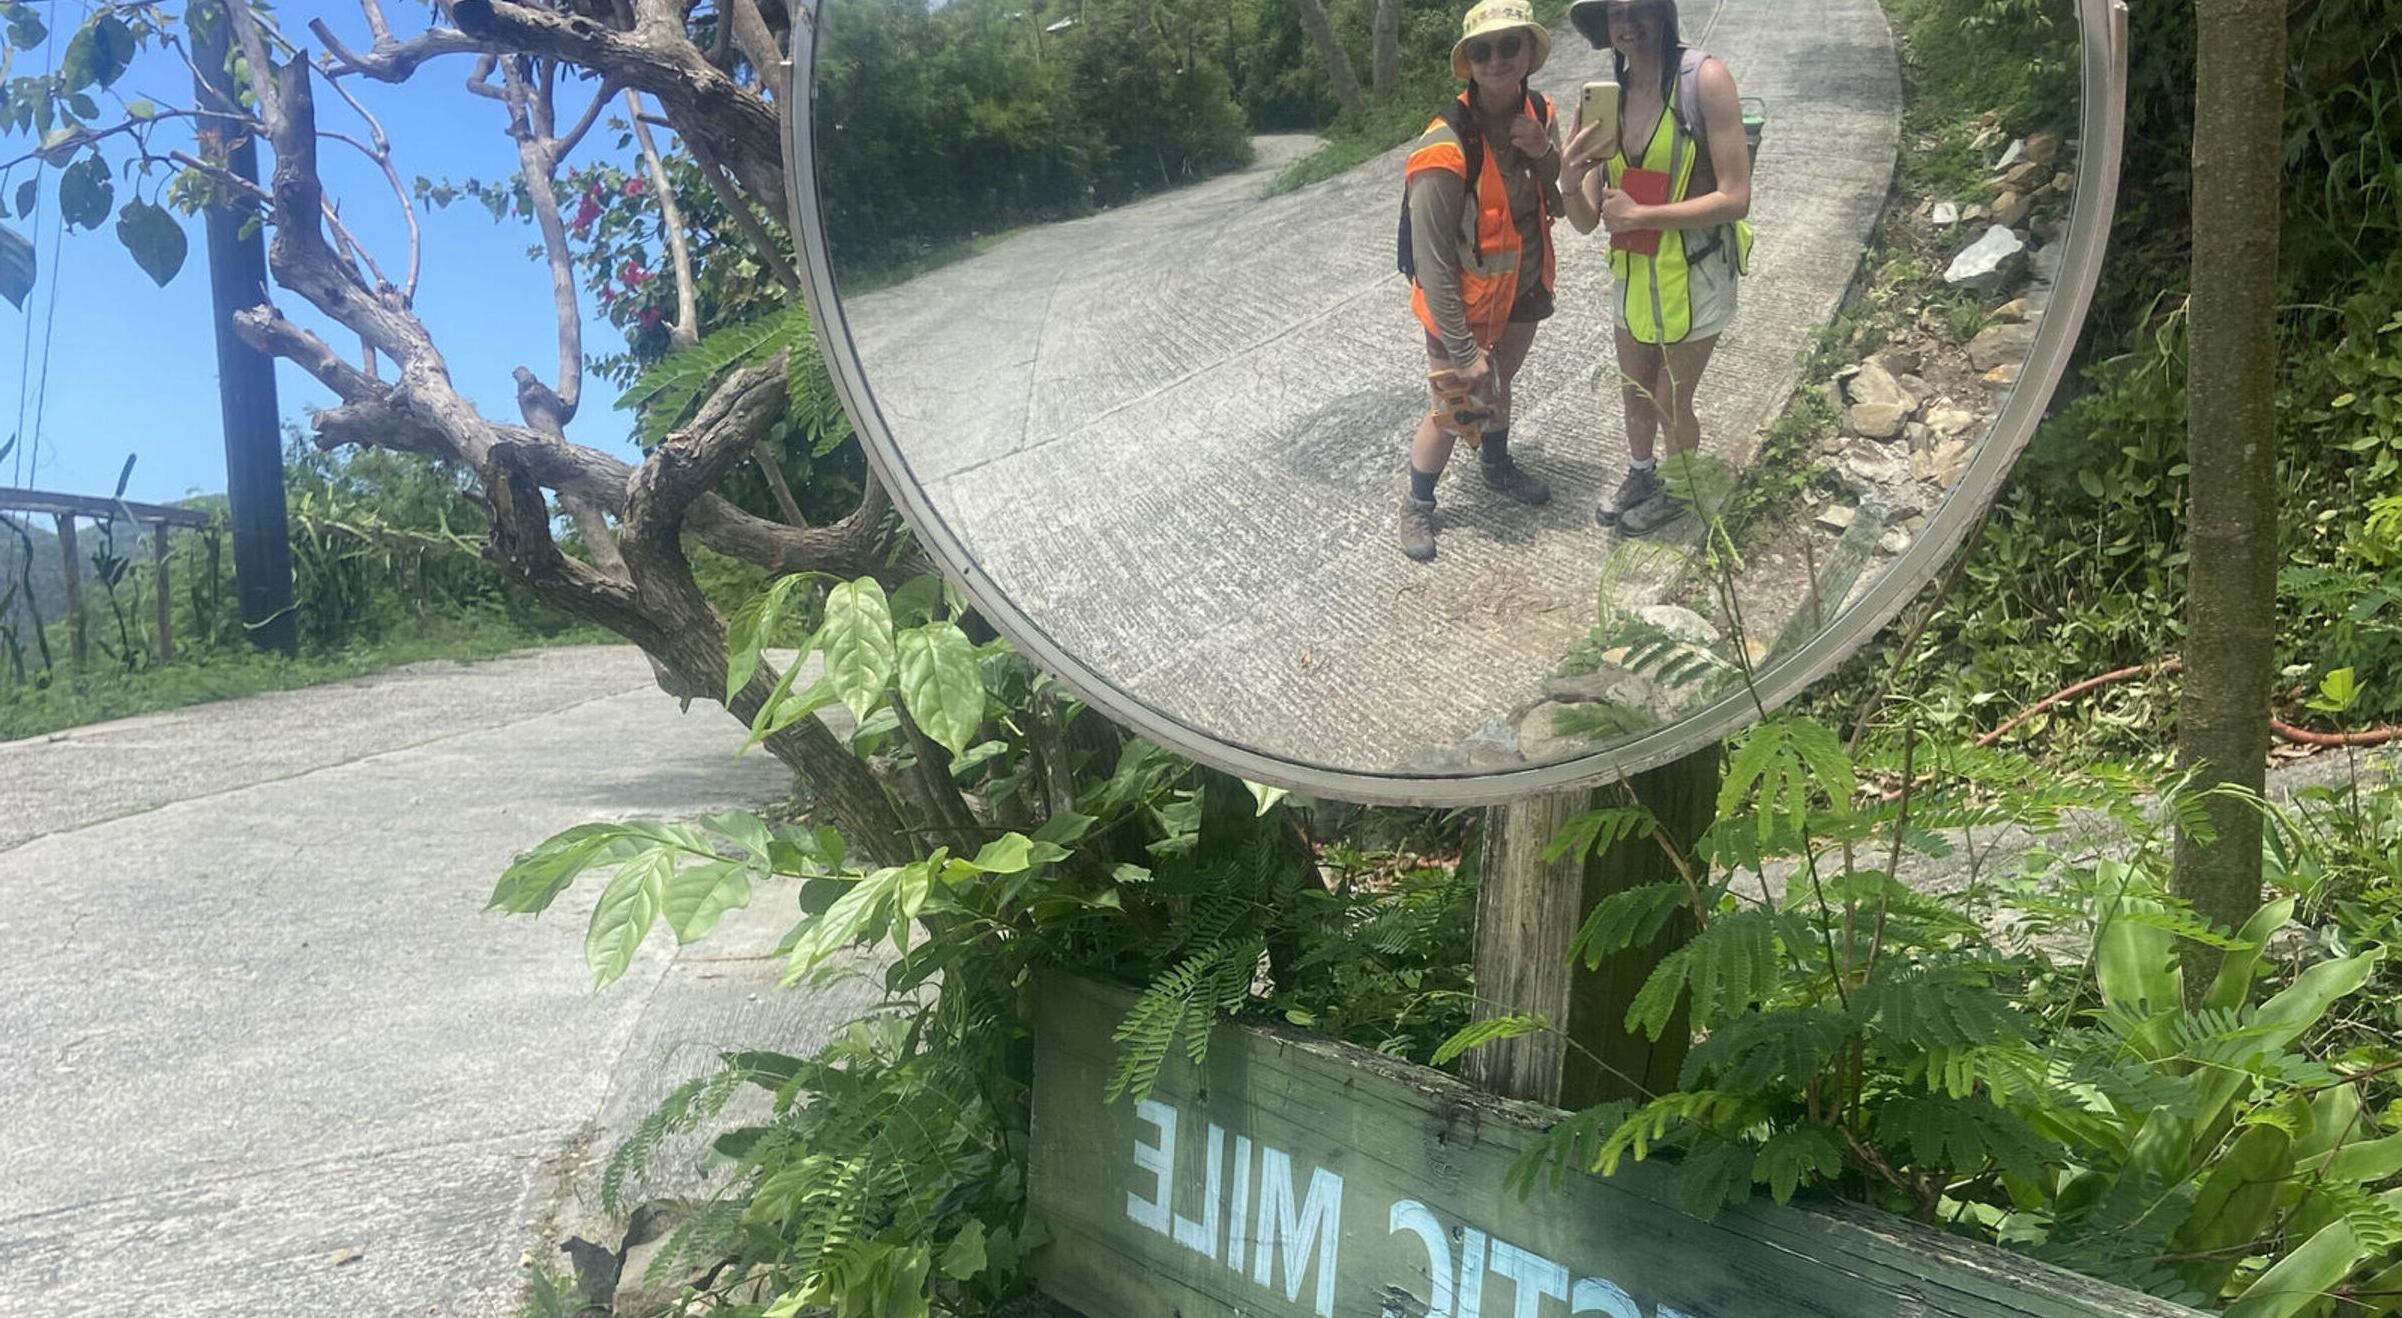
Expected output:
(1293, 1176)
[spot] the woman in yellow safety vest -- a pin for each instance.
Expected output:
(1479, 251)
(1670, 304)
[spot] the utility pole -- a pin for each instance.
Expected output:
(254, 452)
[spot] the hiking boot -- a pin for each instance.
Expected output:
(1639, 487)
(1418, 528)
(1652, 514)
(1504, 474)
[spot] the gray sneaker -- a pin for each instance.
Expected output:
(1638, 488)
(1515, 481)
(1652, 514)
(1417, 528)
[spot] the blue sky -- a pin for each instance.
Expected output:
(132, 367)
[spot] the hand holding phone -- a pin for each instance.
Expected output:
(1599, 108)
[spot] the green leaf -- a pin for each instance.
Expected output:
(1714, 1175)
(1632, 918)
(98, 54)
(859, 644)
(29, 195)
(964, 1256)
(752, 626)
(535, 878)
(25, 29)
(1760, 1049)
(154, 238)
(667, 391)
(2337, 690)
(2304, 1277)
(141, 108)
(941, 685)
(85, 193)
(1008, 854)
(1597, 830)
(16, 266)
(1726, 967)
(628, 907)
(698, 895)
(1477, 1033)
(1266, 796)
(1795, 1157)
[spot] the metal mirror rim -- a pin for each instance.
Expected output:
(2102, 83)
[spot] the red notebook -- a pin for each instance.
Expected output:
(1649, 186)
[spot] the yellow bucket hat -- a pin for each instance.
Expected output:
(1494, 16)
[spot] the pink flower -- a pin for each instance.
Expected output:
(649, 317)
(633, 187)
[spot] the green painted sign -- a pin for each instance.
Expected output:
(1295, 1177)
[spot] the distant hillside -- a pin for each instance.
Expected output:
(49, 577)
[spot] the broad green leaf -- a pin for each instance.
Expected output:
(155, 239)
(25, 29)
(940, 683)
(29, 195)
(16, 266)
(628, 907)
(1266, 796)
(2232, 987)
(859, 645)
(698, 895)
(964, 1256)
(1064, 828)
(918, 601)
(754, 626)
(141, 108)
(98, 54)
(85, 193)
(2304, 1277)
(1008, 854)
(745, 830)
(854, 914)
(535, 878)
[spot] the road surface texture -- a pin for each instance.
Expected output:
(253, 1017)
(1174, 434)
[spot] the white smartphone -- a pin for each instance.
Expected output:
(1600, 106)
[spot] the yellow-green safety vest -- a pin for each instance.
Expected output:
(1656, 299)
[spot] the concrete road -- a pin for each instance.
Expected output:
(1175, 433)
(252, 1016)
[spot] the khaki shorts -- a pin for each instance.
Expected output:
(1710, 285)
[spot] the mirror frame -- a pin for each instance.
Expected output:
(2102, 93)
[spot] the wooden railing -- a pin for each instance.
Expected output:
(66, 509)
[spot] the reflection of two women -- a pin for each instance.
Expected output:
(1670, 187)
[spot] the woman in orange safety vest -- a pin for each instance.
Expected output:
(1481, 250)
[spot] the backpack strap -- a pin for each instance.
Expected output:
(1689, 127)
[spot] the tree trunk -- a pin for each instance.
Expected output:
(1384, 64)
(2231, 448)
(1338, 64)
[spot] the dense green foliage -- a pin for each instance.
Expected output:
(2080, 569)
(385, 570)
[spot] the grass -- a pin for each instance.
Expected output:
(870, 279)
(30, 711)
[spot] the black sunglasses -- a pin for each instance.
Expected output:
(1505, 48)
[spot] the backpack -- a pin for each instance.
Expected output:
(1472, 149)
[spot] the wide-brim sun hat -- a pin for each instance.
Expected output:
(1493, 17)
(1591, 18)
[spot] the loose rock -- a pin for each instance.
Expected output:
(2017, 308)
(1996, 344)
(1948, 422)
(1899, 362)
(2002, 376)
(1836, 516)
(1920, 391)
(1608, 683)
(2024, 175)
(2044, 147)
(1946, 214)
(1876, 420)
(2011, 208)
(1944, 465)
(1680, 622)
(1894, 541)
(2016, 152)
(1872, 383)
(1988, 262)
(1867, 466)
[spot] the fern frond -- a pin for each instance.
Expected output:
(1187, 998)
(1632, 918)
(1767, 1049)
(666, 391)
(1477, 1033)
(1726, 967)
(1961, 1137)
(684, 1108)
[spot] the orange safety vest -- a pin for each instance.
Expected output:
(1488, 237)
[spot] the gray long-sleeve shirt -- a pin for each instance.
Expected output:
(1435, 200)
